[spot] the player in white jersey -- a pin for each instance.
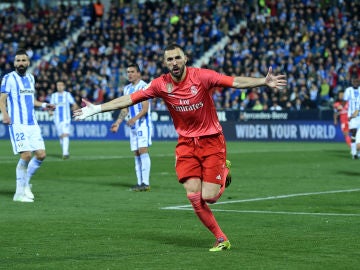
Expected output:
(17, 103)
(352, 96)
(65, 103)
(139, 121)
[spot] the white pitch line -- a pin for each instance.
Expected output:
(189, 207)
(286, 213)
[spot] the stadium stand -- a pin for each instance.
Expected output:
(315, 44)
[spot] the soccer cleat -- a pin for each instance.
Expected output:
(144, 187)
(65, 157)
(228, 177)
(28, 193)
(221, 245)
(135, 188)
(21, 198)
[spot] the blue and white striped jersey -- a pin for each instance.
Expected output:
(63, 102)
(352, 96)
(21, 96)
(135, 109)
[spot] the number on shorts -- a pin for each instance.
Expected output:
(19, 136)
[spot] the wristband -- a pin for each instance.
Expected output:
(97, 108)
(43, 105)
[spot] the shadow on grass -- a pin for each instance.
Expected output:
(6, 193)
(177, 240)
(56, 156)
(339, 153)
(349, 173)
(118, 184)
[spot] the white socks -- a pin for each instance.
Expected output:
(138, 169)
(145, 168)
(353, 149)
(142, 168)
(20, 176)
(32, 167)
(65, 146)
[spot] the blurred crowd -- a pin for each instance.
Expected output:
(315, 43)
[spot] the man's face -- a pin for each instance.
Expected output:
(356, 82)
(21, 63)
(60, 86)
(133, 74)
(175, 61)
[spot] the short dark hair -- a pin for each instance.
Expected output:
(173, 46)
(134, 65)
(21, 52)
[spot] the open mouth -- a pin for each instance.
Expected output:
(176, 71)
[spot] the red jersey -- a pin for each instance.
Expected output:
(190, 101)
(341, 110)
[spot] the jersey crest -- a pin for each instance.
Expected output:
(169, 87)
(193, 90)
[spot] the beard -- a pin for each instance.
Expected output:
(21, 70)
(177, 72)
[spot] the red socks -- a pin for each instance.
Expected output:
(204, 213)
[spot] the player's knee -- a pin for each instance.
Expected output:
(26, 156)
(211, 200)
(40, 155)
(210, 197)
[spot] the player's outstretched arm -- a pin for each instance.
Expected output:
(270, 80)
(91, 109)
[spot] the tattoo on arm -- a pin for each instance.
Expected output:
(122, 115)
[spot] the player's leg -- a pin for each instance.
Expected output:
(64, 130)
(65, 146)
(20, 144)
(33, 166)
(345, 131)
(38, 148)
(59, 132)
(189, 170)
(21, 171)
(353, 143)
(137, 160)
(216, 169)
(357, 140)
(143, 142)
(145, 166)
(204, 213)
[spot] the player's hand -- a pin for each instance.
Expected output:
(6, 120)
(275, 81)
(114, 128)
(131, 122)
(89, 110)
(50, 107)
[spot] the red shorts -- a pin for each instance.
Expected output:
(202, 157)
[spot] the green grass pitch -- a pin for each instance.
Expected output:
(290, 206)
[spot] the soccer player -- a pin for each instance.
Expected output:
(201, 150)
(351, 95)
(64, 102)
(341, 114)
(17, 103)
(139, 121)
